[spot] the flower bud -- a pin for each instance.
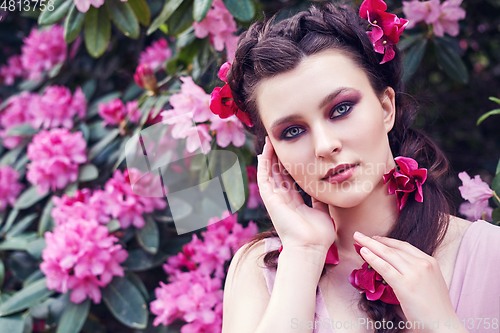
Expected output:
(145, 78)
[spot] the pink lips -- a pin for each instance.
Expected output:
(333, 177)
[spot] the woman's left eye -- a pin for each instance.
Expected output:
(342, 109)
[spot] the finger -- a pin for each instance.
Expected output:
(404, 247)
(263, 173)
(384, 252)
(390, 274)
(275, 171)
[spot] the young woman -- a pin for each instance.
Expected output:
(332, 124)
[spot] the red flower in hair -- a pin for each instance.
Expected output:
(222, 101)
(386, 27)
(371, 283)
(404, 179)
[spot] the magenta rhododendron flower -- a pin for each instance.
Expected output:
(443, 16)
(404, 179)
(9, 186)
(82, 257)
(156, 55)
(13, 69)
(15, 114)
(371, 283)
(474, 189)
(124, 204)
(82, 205)
(220, 25)
(145, 78)
(228, 130)
(42, 50)
(55, 156)
(386, 27)
(114, 112)
(57, 107)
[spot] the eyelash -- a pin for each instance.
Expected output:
(349, 104)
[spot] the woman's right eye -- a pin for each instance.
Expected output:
(294, 131)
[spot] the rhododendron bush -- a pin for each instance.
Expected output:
(105, 121)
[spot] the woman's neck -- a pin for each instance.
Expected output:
(376, 215)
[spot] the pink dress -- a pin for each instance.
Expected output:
(475, 284)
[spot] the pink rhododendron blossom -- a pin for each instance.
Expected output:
(82, 205)
(81, 256)
(84, 5)
(127, 206)
(145, 78)
(192, 99)
(156, 55)
(192, 297)
(474, 189)
(55, 157)
(42, 50)
(15, 114)
(198, 137)
(57, 107)
(443, 16)
(228, 130)
(9, 186)
(477, 210)
(220, 25)
(114, 112)
(13, 69)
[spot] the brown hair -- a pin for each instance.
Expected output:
(341, 28)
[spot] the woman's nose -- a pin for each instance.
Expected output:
(326, 141)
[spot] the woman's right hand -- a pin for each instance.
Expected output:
(297, 224)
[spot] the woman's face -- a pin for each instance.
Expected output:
(323, 114)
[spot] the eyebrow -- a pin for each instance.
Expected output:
(323, 103)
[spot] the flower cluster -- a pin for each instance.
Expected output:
(477, 193)
(221, 26)
(222, 102)
(123, 202)
(55, 107)
(385, 27)
(156, 55)
(81, 256)
(444, 16)
(192, 294)
(371, 283)
(9, 186)
(404, 179)
(115, 112)
(41, 52)
(83, 205)
(55, 157)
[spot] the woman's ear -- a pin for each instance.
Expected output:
(389, 107)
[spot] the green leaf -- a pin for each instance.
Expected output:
(139, 260)
(33, 277)
(496, 214)
(408, 41)
(87, 173)
(10, 220)
(123, 17)
(494, 99)
(486, 115)
(181, 19)
(2, 272)
(26, 297)
(36, 247)
(22, 225)
(29, 197)
(96, 149)
(451, 62)
(13, 324)
(126, 303)
(14, 244)
(495, 186)
(61, 7)
(232, 177)
(113, 225)
(11, 156)
(243, 10)
(46, 221)
(73, 317)
(137, 282)
(413, 58)
(200, 9)
(498, 168)
(22, 130)
(168, 9)
(89, 88)
(141, 10)
(148, 236)
(164, 28)
(97, 30)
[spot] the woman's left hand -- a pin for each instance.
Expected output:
(415, 278)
